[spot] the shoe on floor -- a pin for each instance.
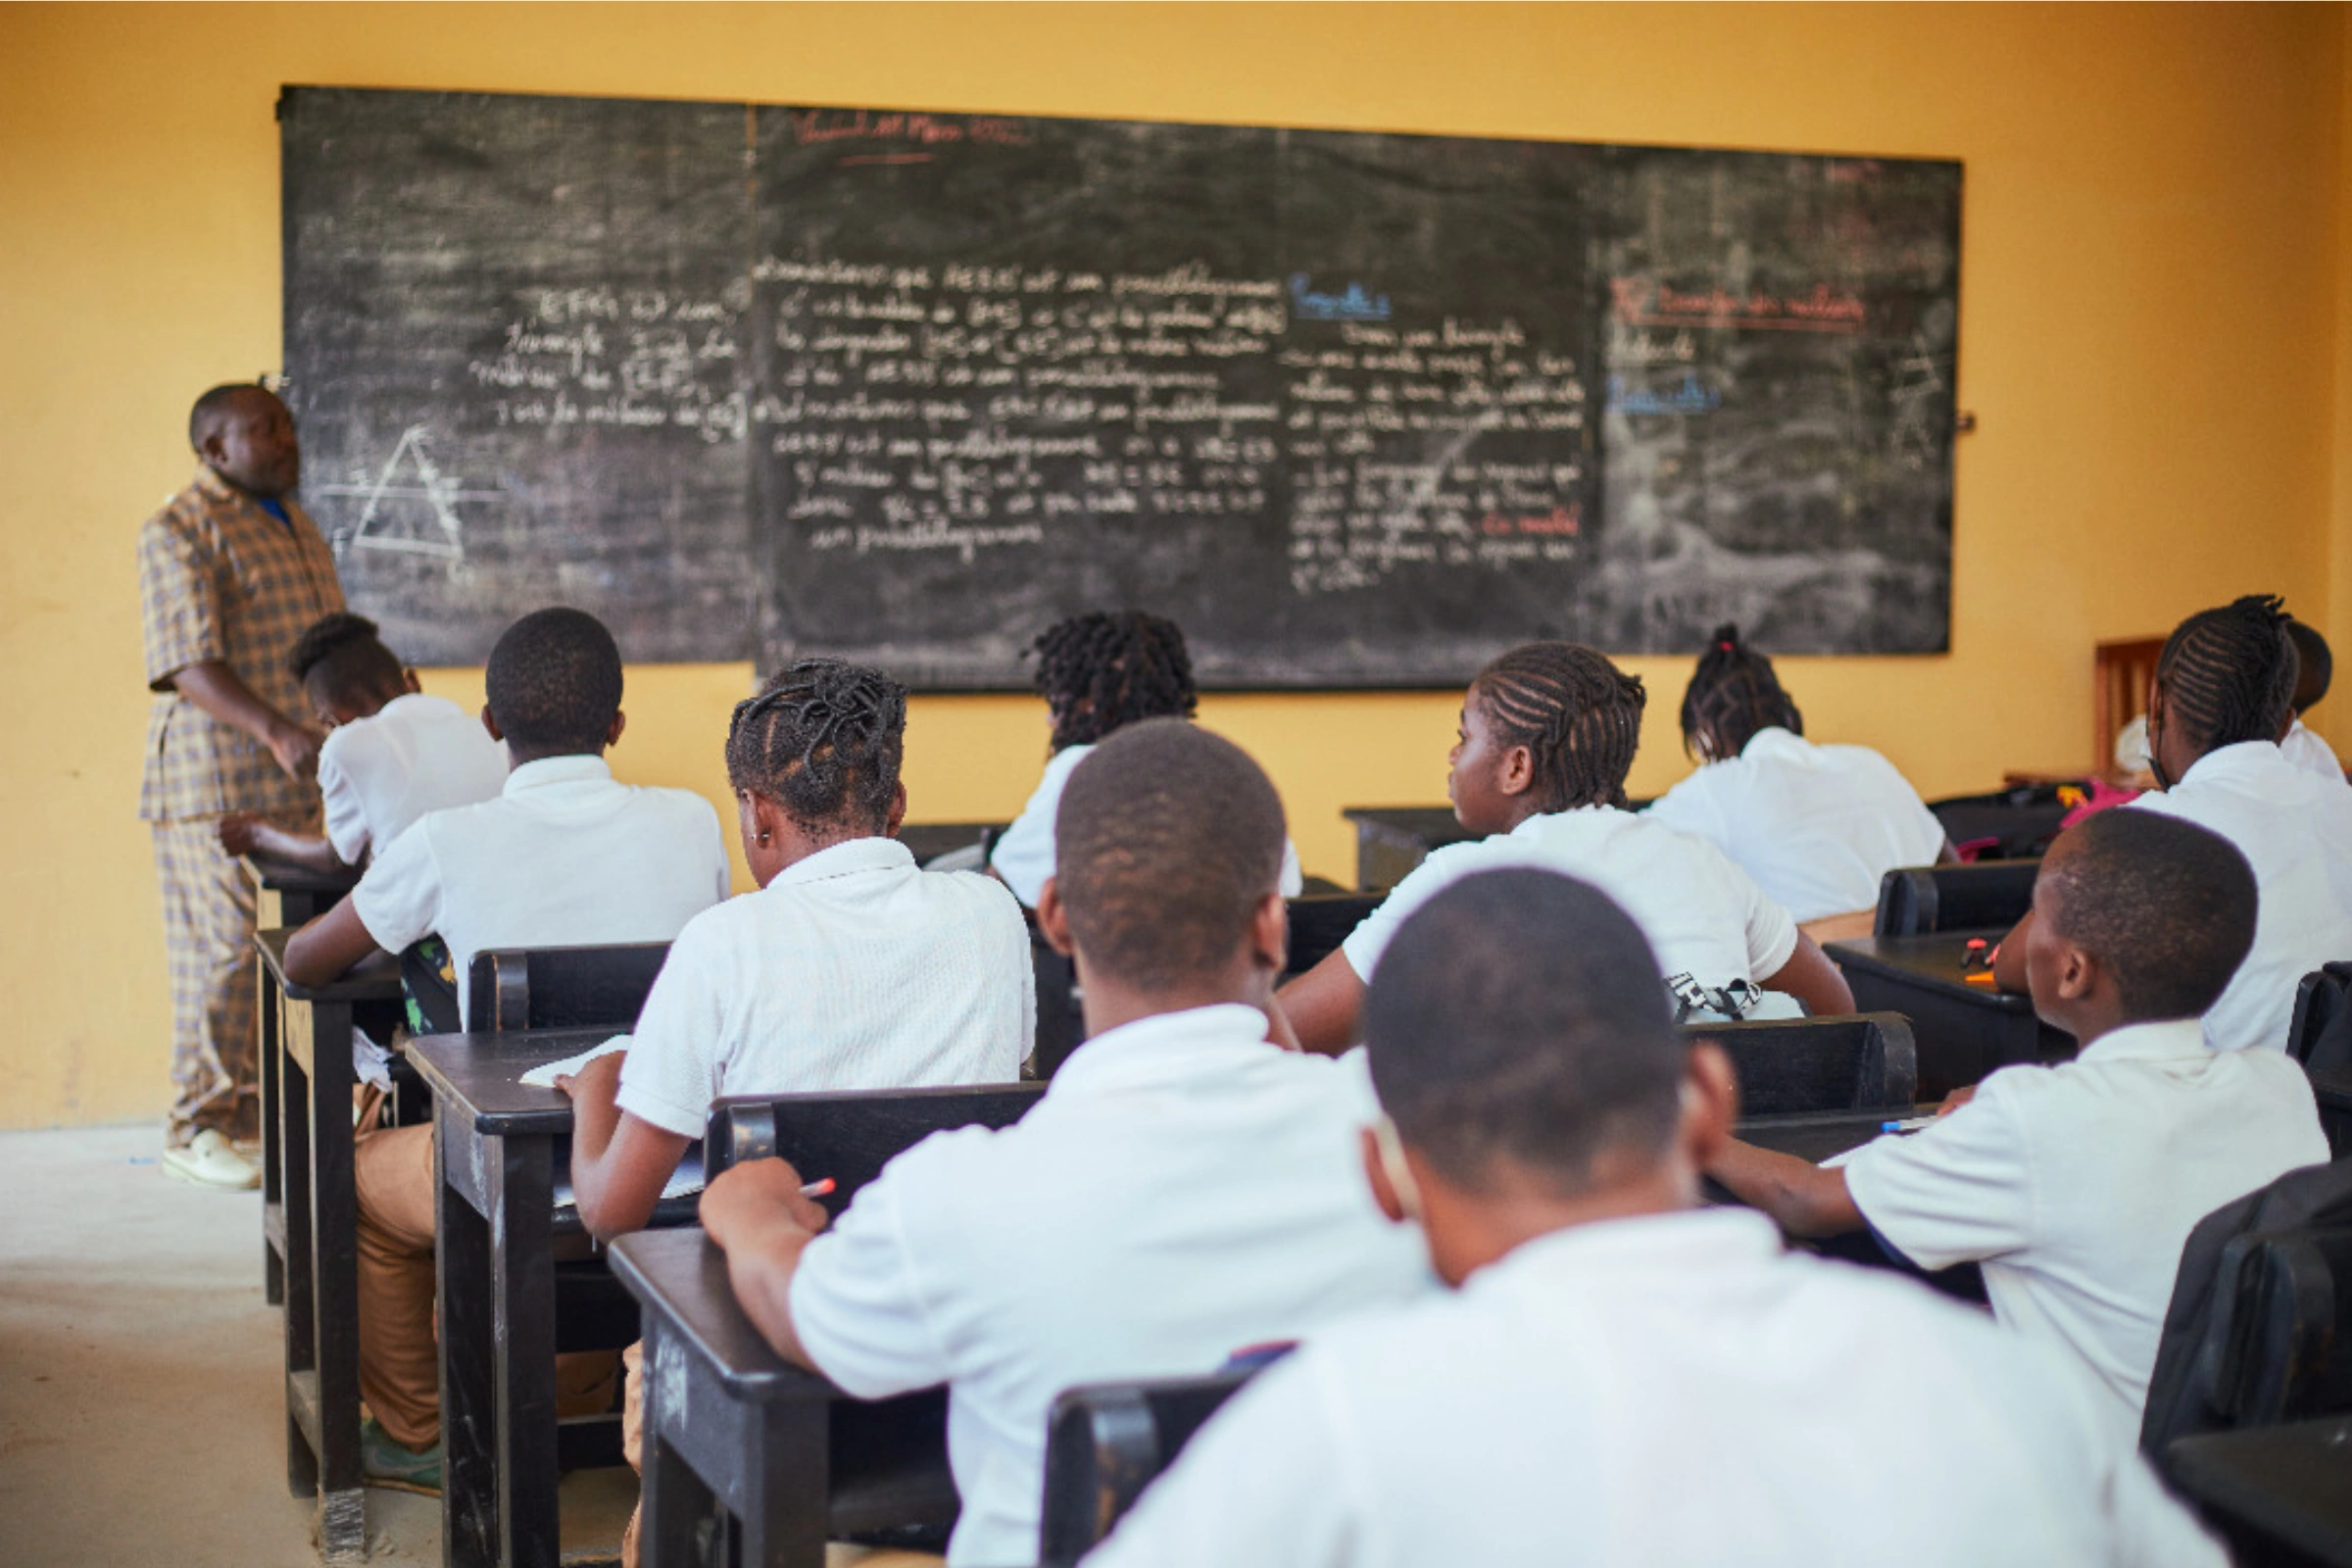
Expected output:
(211, 1160)
(385, 1462)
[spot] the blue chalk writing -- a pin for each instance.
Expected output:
(1688, 398)
(1355, 305)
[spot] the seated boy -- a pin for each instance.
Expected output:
(2077, 1185)
(2315, 672)
(565, 857)
(391, 753)
(1184, 1189)
(1622, 1379)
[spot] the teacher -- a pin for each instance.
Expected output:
(230, 572)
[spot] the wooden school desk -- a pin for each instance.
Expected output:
(927, 841)
(2332, 1088)
(309, 1223)
(286, 894)
(1963, 1030)
(2280, 1494)
(499, 1148)
(1391, 839)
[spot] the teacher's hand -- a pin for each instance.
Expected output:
(296, 748)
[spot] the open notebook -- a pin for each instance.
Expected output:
(686, 1179)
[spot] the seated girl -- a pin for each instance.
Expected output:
(1548, 736)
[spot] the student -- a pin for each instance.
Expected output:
(2077, 1185)
(565, 857)
(851, 968)
(2223, 688)
(2315, 672)
(1621, 1377)
(1817, 827)
(1547, 735)
(1182, 1191)
(1097, 673)
(391, 753)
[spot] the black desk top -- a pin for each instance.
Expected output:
(2332, 1086)
(1433, 824)
(1931, 961)
(476, 1074)
(374, 979)
(687, 1277)
(284, 876)
(1816, 1137)
(2292, 1483)
(929, 840)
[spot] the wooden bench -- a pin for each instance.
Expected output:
(1805, 1066)
(1106, 1442)
(1988, 894)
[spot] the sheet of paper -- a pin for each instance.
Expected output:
(545, 1076)
(687, 1178)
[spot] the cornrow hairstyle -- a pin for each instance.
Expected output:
(1103, 670)
(2314, 665)
(1579, 716)
(2166, 906)
(1732, 696)
(339, 657)
(2229, 674)
(823, 740)
(554, 685)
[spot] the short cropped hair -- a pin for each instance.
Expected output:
(2314, 665)
(554, 682)
(823, 740)
(215, 404)
(2165, 906)
(1166, 840)
(1517, 1017)
(343, 658)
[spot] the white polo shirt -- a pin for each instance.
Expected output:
(1703, 914)
(1182, 1191)
(1664, 1392)
(2307, 751)
(2295, 829)
(1817, 827)
(1023, 853)
(2078, 1185)
(565, 857)
(415, 753)
(853, 969)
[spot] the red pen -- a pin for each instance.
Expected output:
(817, 1189)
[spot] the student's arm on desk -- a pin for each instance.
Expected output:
(1805, 1199)
(1812, 979)
(320, 953)
(619, 1162)
(242, 833)
(1323, 1005)
(755, 1213)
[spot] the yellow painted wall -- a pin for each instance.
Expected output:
(2156, 335)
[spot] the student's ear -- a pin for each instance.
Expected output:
(1053, 919)
(1710, 1103)
(2077, 972)
(1383, 1192)
(408, 683)
(1517, 772)
(490, 724)
(1270, 933)
(620, 721)
(897, 810)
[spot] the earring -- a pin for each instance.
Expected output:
(763, 838)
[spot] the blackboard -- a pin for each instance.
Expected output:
(1355, 409)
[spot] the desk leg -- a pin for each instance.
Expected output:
(785, 1505)
(672, 1499)
(497, 1350)
(301, 1321)
(335, 1257)
(273, 1178)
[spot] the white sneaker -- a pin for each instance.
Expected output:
(211, 1160)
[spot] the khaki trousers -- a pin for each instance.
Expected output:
(400, 1362)
(208, 941)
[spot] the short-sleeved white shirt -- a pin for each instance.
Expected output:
(1023, 853)
(1703, 914)
(415, 753)
(2295, 829)
(2078, 1185)
(2307, 751)
(1184, 1189)
(853, 969)
(1664, 1392)
(1817, 827)
(565, 857)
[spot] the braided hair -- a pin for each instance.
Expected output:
(1579, 716)
(823, 740)
(2229, 674)
(1103, 670)
(343, 657)
(1733, 694)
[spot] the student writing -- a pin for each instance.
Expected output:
(1183, 1190)
(1620, 1378)
(2077, 1185)
(391, 753)
(1547, 735)
(1817, 827)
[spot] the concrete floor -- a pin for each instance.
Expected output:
(141, 1419)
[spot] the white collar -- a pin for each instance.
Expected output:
(1776, 738)
(2168, 1040)
(846, 859)
(574, 769)
(1164, 1049)
(1595, 810)
(1670, 1243)
(2239, 759)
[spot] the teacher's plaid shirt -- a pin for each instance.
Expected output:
(221, 578)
